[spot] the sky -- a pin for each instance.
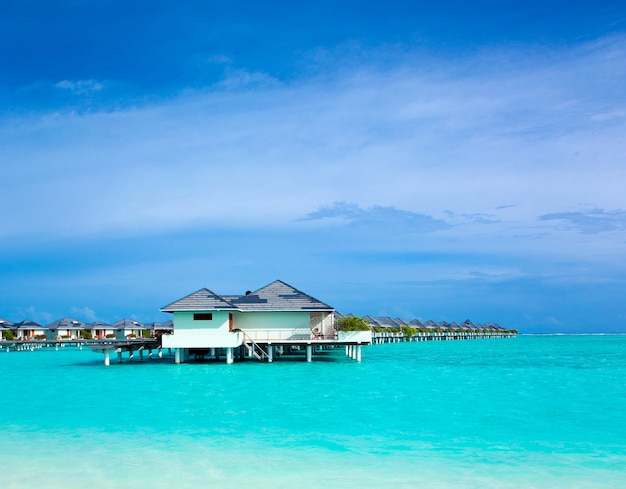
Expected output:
(443, 160)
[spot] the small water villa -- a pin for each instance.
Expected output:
(275, 320)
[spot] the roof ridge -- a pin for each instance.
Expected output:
(294, 289)
(212, 296)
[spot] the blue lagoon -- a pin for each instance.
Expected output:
(532, 411)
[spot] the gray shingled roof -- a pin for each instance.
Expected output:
(201, 300)
(277, 296)
(128, 324)
(65, 323)
(167, 325)
(97, 325)
(5, 324)
(27, 324)
(383, 322)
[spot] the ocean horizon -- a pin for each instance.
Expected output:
(542, 411)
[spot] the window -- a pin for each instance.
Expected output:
(203, 316)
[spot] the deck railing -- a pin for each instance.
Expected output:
(288, 334)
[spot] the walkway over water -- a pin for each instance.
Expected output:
(106, 346)
(260, 350)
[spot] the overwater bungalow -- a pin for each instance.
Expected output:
(382, 322)
(29, 330)
(416, 323)
(159, 329)
(128, 328)
(65, 328)
(100, 330)
(5, 325)
(277, 316)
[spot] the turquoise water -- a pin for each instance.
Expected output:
(502, 413)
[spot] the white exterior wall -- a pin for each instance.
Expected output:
(273, 325)
(21, 333)
(201, 334)
(357, 336)
(105, 332)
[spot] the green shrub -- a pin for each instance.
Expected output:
(86, 334)
(110, 335)
(8, 335)
(352, 323)
(409, 332)
(145, 333)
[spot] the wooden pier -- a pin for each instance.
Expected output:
(398, 337)
(264, 351)
(141, 346)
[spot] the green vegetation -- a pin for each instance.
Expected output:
(8, 335)
(145, 333)
(111, 335)
(381, 329)
(409, 332)
(352, 323)
(86, 334)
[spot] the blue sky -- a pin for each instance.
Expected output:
(434, 160)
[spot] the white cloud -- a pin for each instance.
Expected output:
(240, 78)
(40, 317)
(80, 87)
(219, 59)
(391, 218)
(487, 143)
(85, 314)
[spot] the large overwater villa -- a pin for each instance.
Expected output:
(275, 319)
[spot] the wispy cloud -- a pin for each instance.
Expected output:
(236, 79)
(463, 136)
(218, 59)
(473, 218)
(591, 221)
(86, 314)
(80, 87)
(390, 217)
(40, 317)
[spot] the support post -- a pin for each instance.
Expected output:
(358, 353)
(177, 355)
(107, 358)
(160, 352)
(229, 355)
(270, 353)
(309, 353)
